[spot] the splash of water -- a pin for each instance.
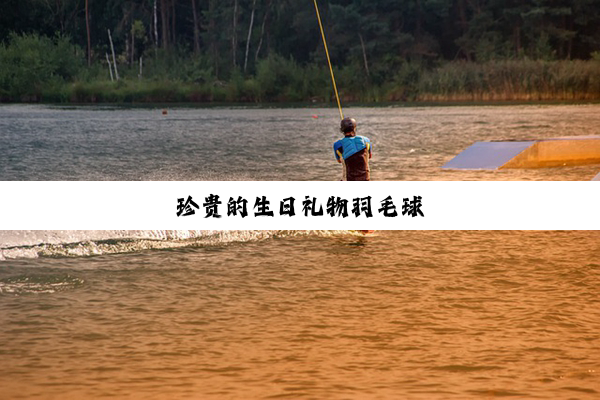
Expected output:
(34, 244)
(38, 284)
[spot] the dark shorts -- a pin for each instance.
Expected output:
(357, 166)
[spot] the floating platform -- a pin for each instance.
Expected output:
(535, 153)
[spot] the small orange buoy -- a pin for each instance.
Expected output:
(164, 112)
(315, 116)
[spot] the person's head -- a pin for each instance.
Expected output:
(348, 126)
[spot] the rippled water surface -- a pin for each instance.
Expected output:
(310, 315)
(411, 143)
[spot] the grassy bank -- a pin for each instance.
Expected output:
(454, 82)
(41, 69)
(522, 80)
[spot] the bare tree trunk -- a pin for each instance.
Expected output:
(112, 49)
(132, 47)
(127, 50)
(164, 24)
(249, 35)
(196, 29)
(140, 74)
(87, 28)
(212, 37)
(155, 30)
(362, 44)
(173, 23)
(234, 33)
(262, 32)
(109, 67)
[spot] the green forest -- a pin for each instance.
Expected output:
(86, 51)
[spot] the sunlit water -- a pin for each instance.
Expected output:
(411, 143)
(322, 315)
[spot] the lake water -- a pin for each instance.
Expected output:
(103, 143)
(291, 314)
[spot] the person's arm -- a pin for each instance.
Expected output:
(337, 150)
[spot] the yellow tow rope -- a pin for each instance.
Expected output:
(337, 97)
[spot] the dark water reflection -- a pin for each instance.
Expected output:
(411, 143)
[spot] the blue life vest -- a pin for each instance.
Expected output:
(350, 145)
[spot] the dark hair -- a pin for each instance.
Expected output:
(348, 125)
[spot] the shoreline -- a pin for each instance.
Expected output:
(306, 105)
(128, 92)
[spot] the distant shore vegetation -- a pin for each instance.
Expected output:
(37, 68)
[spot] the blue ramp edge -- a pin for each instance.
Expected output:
(487, 155)
(597, 177)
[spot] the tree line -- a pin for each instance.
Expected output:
(219, 41)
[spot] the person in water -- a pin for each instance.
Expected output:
(354, 152)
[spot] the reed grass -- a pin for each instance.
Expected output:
(522, 80)
(282, 80)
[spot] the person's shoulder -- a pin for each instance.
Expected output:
(337, 143)
(366, 139)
